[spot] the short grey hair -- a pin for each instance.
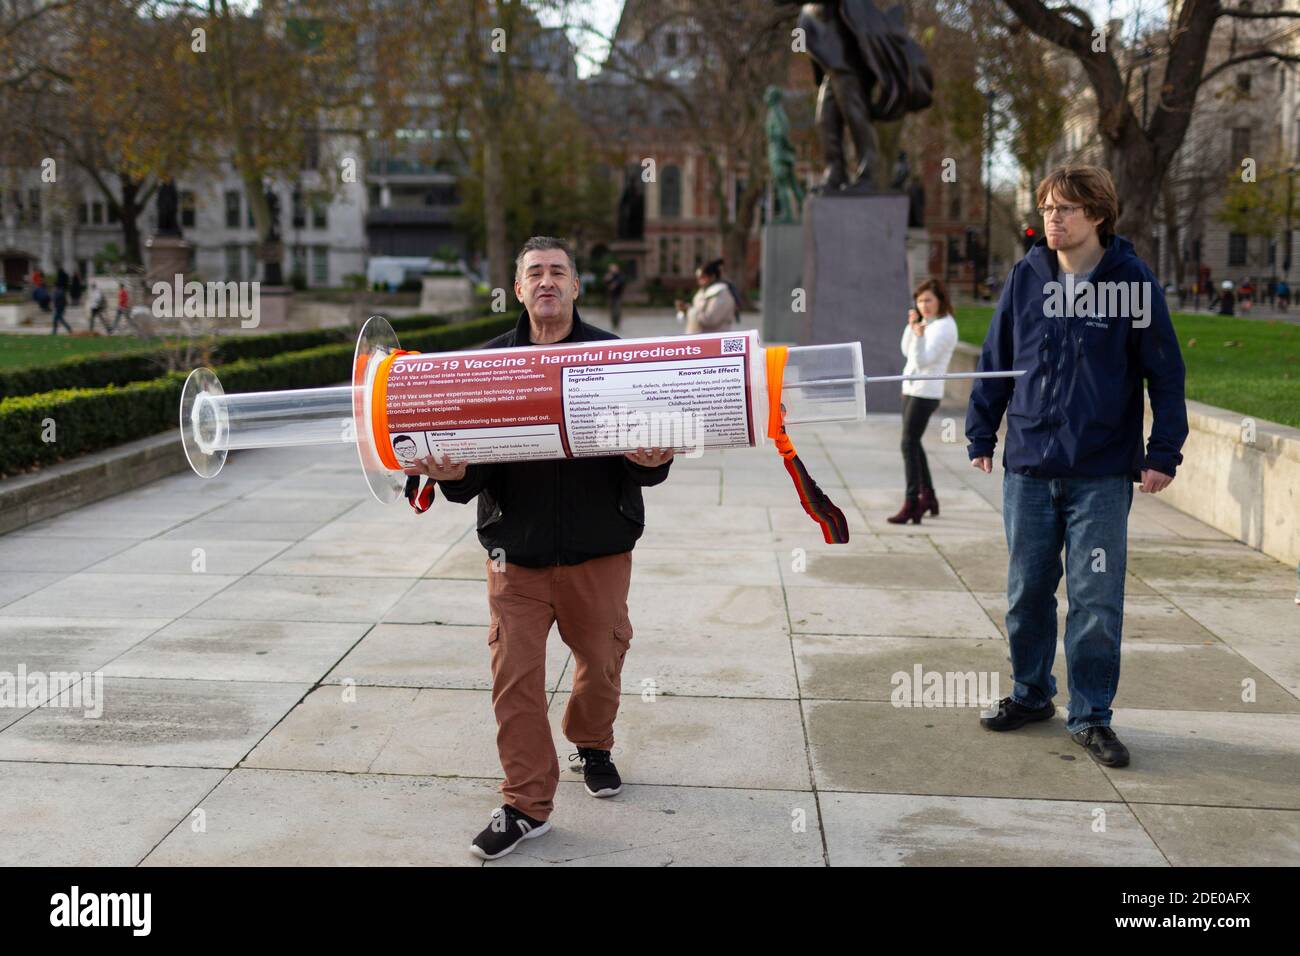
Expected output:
(542, 244)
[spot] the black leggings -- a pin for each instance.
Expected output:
(916, 415)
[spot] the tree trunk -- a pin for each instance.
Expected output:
(128, 213)
(1175, 235)
(494, 209)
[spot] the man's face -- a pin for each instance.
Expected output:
(547, 286)
(1067, 232)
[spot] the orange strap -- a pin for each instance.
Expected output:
(776, 356)
(379, 410)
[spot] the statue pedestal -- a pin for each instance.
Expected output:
(631, 255)
(918, 256)
(856, 276)
(782, 265)
(166, 258)
(273, 303)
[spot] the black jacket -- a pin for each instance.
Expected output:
(561, 511)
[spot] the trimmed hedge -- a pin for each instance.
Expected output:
(138, 365)
(89, 419)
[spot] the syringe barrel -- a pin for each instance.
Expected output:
(308, 416)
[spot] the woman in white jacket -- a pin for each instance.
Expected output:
(928, 344)
(714, 308)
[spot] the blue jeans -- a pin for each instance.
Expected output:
(1089, 518)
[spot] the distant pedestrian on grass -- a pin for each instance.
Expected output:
(123, 306)
(60, 305)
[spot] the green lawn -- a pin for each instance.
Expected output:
(1258, 374)
(18, 350)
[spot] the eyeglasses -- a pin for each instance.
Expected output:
(1065, 211)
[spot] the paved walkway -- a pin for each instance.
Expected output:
(294, 674)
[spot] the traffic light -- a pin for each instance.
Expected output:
(1028, 236)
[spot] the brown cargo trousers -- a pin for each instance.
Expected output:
(589, 602)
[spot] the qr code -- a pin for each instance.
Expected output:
(732, 346)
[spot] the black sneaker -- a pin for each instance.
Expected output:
(599, 774)
(1102, 746)
(507, 830)
(1009, 715)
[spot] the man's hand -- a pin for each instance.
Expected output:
(983, 464)
(438, 468)
(650, 457)
(1154, 481)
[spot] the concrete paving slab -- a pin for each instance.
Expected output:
(430, 655)
(68, 643)
(1262, 630)
(63, 555)
(181, 556)
(1223, 836)
(366, 556)
(439, 601)
(876, 747)
(1203, 571)
(15, 585)
(58, 814)
(179, 723)
(853, 667)
(1209, 759)
(676, 826)
(280, 818)
(909, 830)
(207, 529)
(385, 730)
(740, 567)
(105, 525)
(279, 509)
(911, 571)
(270, 597)
(693, 662)
(1147, 619)
(884, 611)
(743, 743)
(94, 595)
(276, 651)
(705, 607)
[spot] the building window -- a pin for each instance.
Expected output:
(670, 44)
(320, 265)
(299, 210)
(663, 255)
(232, 209)
(34, 206)
(670, 193)
(1236, 248)
(299, 267)
(677, 255)
(1243, 82)
(233, 255)
(252, 223)
(188, 204)
(1240, 143)
(319, 211)
(954, 201)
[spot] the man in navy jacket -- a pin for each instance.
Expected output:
(1087, 321)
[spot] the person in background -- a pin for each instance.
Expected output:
(76, 288)
(614, 285)
(1246, 293)
(713, 308)
(60, 305)
(123, 306)
(1283, 294)
(96, 305)
(1226, 299)
(928, 343)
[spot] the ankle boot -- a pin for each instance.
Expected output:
(911, 511)
(929, 501)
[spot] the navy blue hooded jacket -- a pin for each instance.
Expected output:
(1077, 410)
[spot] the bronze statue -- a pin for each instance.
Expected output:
(867, 70)
(787, 194)
(631, 205)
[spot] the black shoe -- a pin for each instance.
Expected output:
(1102, 746)
(599, 774)
(507, 830)
(1011, 715)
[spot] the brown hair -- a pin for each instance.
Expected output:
(940, 292)
(1089, 186)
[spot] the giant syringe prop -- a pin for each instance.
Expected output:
(546, 401)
